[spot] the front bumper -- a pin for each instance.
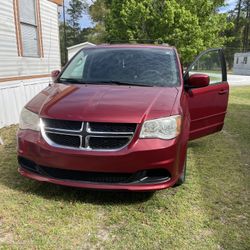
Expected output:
(140, 156)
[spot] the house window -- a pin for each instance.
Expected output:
(237, 60)
(245, 60)
(27, 15)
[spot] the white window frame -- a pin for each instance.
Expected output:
(37, 25)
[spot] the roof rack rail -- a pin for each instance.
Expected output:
(148, 41)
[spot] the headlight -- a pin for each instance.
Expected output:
(29, 120)
(163, 128)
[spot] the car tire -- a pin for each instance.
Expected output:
(182, 177)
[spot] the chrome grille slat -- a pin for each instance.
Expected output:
(64, 125)
(68, 136)
(64, 130)
(109, 140)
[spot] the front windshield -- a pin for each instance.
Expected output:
(132, 66)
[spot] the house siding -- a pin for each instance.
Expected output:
(74, 49)
(15, 94)
(18, 75)
(12, 65)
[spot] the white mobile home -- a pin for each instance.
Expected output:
(29, 51)
(74, 49)
(242, 64)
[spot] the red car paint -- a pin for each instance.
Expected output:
(202, 109)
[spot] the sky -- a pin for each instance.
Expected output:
(230, 5)
(87, 22)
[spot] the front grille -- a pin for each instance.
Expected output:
(112, 127)
(85, 176)
(141, 177)
(108, 142)
(87, 135)
(62, 124)
(65, 140)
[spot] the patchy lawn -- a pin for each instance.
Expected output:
(211, 211)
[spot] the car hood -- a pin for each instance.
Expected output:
(104, 103)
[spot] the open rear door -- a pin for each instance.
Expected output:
(208, 105)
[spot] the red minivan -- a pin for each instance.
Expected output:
(120, 117)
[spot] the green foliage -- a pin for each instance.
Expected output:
(71, 31)
(97, 34)
(75, 11)
(72, 38)
(246, 24)
(239, 34)
(190, 25)
(99, 11)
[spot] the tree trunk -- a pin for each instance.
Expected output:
(246, 29)
(238, 14)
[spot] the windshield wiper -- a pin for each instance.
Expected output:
(73, 80)
(70, 80)
(123, 83)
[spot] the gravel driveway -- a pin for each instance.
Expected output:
(238, 80)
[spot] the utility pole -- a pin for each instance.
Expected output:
(238, 14)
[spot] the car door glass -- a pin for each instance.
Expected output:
(209, 64)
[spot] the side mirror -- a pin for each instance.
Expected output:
(55, 74)
(198, 80)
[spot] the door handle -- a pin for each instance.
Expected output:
(223, 91)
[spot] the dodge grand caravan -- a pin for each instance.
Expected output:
(120, 117)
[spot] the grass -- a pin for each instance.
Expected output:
(210, 211)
